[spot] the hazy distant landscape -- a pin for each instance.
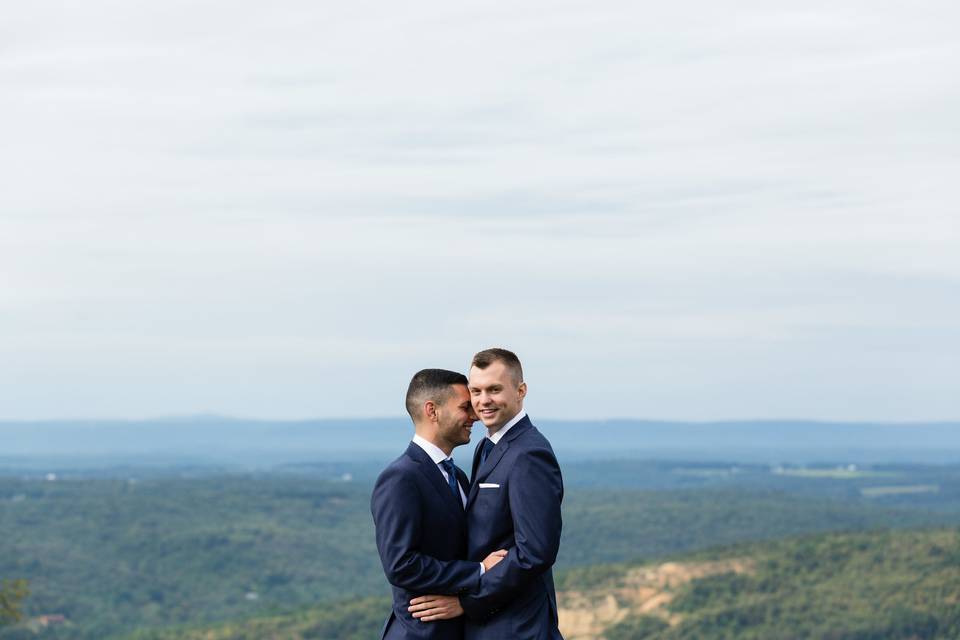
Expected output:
(209, 440)
(227, 529)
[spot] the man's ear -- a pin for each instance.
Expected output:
(522, 390)
(430, 410)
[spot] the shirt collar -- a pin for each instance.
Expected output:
(503, 430)
(436, 453)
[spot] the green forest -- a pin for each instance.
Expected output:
(902, 585)
(107, 557)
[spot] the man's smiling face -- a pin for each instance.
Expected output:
(455, 417)
(496, 395)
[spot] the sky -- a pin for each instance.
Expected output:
(688, 210)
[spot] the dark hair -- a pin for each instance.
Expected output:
(487, 357)
(431, 384)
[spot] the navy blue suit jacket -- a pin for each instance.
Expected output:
(516, 598)
(421, 536)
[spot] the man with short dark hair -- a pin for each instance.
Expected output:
(418, 510)
(514, 503)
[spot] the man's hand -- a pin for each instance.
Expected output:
(491, 560)
(428, 608)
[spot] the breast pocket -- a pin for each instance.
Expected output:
(492, 500)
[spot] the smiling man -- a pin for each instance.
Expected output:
(513, 504)
(418, 510)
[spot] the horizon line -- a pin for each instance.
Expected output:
(183, 418)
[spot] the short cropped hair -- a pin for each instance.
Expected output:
(431, 384)
(485, 358)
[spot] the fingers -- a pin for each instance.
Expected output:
(429, 608)
(494, 558)
(497, 555)
(426, 602)
(441, 617)
(434, 613)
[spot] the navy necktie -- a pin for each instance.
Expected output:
(451, 470)
(486, 449)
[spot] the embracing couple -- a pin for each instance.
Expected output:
(471, 559)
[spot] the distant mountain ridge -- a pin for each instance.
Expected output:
(211, 439)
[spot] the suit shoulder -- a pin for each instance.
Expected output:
(397, 479)
(533, 439)
(399, 469)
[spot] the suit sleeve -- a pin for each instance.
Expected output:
(535, 491)
(397, 515)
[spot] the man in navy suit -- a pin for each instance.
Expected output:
(418, 511)
(513, 504)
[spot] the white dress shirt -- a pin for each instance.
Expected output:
(502, 431)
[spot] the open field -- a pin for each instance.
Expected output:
(899, 490)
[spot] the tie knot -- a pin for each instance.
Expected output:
(447, 465)
(487, 446)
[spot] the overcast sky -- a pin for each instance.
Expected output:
(669, 210)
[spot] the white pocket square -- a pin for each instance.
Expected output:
(488, 485)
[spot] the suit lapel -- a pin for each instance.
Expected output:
(430, 469)
(476, 461)
(464, 484)
(473, 473)
(488, 465)
(491, 462)
(481, 471)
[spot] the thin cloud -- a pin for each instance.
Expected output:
(685, 211)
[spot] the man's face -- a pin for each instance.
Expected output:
(496, 396)
(455, 417)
